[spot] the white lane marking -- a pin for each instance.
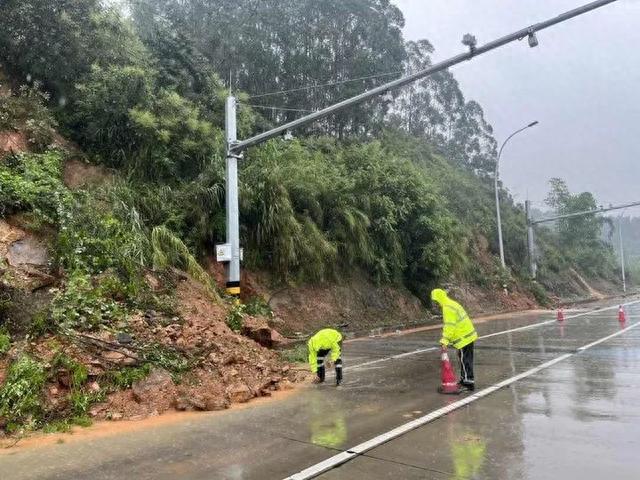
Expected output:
(489, 335)
(604, 339)
(348, 455)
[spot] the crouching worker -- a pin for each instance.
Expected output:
(457, 331)
(325, 342)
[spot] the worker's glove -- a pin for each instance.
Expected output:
(329, 364)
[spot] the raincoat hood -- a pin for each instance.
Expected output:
(440, 296)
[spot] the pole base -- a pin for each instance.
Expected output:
(233, 289)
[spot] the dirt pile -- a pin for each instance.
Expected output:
(224, 367)
(25, 272)
(191, 362)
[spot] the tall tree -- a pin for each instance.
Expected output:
(277, 45)
(580, 238)
(57, 41)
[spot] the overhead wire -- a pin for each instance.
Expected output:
(272, 107)
(325, 85)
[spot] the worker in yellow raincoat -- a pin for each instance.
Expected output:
(459, 332)
(326, 342)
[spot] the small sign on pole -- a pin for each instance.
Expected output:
(223, 253)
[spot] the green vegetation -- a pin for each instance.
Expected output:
(27, 111)
(81, 306)
(149, 103)
(141, 93)
(167, 358)
(297, 354)
(258, 306)
(66, 424)
(5, 341)
(236, 316)
(400, 190)
(77, 372)
(21, 394)
(126, 377)
(33, 182)
(576, 242)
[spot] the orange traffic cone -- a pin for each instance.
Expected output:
(560, 315)
(448, 384)
(622, 317)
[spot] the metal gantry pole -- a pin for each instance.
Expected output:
(587, 212)
(528, 32)
(232, 253)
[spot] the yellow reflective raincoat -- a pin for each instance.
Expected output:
(326, 339)
(457, 331)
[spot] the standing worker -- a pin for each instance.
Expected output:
(457, 331)
(320, 345)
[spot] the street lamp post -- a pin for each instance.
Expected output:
(497, 190)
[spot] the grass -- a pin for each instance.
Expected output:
(5, 342)
(297, 354)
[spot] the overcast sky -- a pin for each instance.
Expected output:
(582, 83)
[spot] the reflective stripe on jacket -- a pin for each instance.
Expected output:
(327, 339)
(457, 330)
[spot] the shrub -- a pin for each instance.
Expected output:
(235, 317)
(81, 306)
(540, 294)
(27, 111)
(21, 394)
(33, 183)
(93, 239)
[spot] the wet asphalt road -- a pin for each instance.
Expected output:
(576, 419)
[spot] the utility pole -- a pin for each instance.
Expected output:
(624, 279)
(533, 267)
(230, 253)
(232, 250)
(497, 190)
